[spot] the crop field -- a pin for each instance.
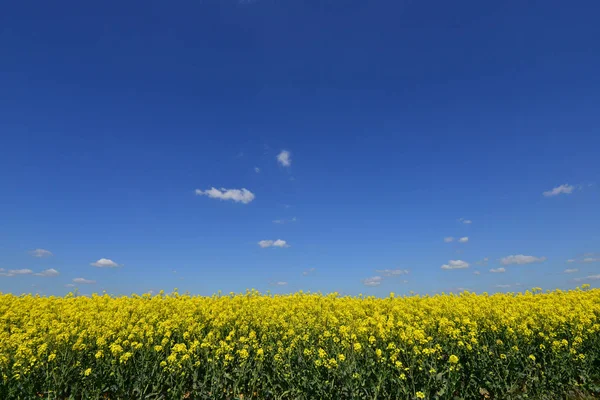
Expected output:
(536, 345)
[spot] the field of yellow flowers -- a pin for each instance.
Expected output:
(301, 346)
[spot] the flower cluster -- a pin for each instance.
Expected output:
(303, 345)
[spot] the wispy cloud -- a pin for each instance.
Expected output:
(498, 270)
(257, 170)
(14, 272)
(502, 286)
(70, 285)
(40, 253)
(84, 281)
(448, 239)
(590, 260)
(562, 189)
(570, 260)
(309, 271)
(273, 243)
(463, 239)
(571, 270)
(588, 278)
(455, 264)
(372, 281)
(284, 158)
(392, 272)
(105, 263)
(521, 259)
(278, 283)
(284, 221)
(483, 262)
(237, 195)
(48, 273)
(476, 273)
(465, 221)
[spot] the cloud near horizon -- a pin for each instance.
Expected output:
(455, 264)
(521, 259)
(105, 263)
(372, 281)
(40, 253)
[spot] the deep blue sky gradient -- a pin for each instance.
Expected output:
(401, 118)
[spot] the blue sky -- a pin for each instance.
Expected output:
(403, 120)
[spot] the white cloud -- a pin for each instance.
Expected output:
(273, 243)
(571, 270)
(48, 272)
(463, 239)
(590, 260)
(104, 263)
(83, 281)
(503, 286)
(40, 253)
(465, 221)
(284, 221)
(448, 239)
(372, 281)
(483, 262)
(570, 260)
(238, 195)
(279, 283)
(13, 272)
(257, 170)
(521, 259)
(497, 270)
(70, 285)
(455, 264)
(392, 272)
(476, 272)
(562, 189)
(588, 278)
(284, 158)
(309, 271)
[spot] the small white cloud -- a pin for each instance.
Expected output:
(483, 262)
(309, 271)
(570, 260)
(40, 253)
(562, 189)
(448, 239)
(521, 259)
(463, 239)
(279, 283)
(503, 286)
(590, 260)
(465, 221)
(392, 272)
(70, 285)
(284, 221)
(83, 281)
(238, 195)
(257, 170)
(105, 263)
(273, 243)
(455, 264)
(571, 270)
(23, 271)
(588, 278)
(476, 272)
(372, 281)
(497, 270)
(48, 272)
(284, 158)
